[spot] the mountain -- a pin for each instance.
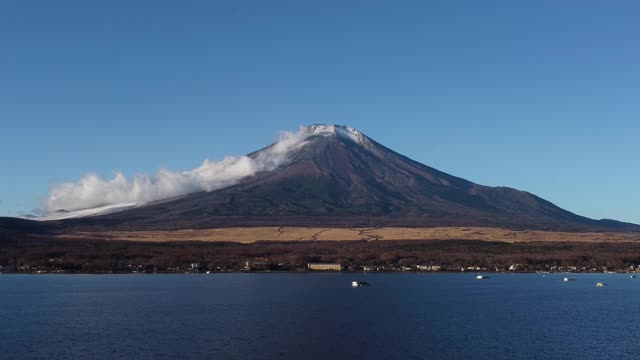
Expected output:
(338, 177)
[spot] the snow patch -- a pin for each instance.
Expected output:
(338, 130)
(101, 210)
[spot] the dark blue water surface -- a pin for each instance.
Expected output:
(319, 316)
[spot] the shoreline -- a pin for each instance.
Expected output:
(321, 273)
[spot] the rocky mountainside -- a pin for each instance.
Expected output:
(340, 177)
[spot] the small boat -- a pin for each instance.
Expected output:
(359, 283)
(482, 277)
(632, 276)
(600, 284)
(569, 279)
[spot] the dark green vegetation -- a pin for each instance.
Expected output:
(35, 253)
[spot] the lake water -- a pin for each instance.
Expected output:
(319, 316)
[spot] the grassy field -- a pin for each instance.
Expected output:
(253, 234)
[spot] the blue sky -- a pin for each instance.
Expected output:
(542, 96)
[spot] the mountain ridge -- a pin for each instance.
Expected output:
(338, 176)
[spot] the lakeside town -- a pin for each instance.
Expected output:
(264, 265)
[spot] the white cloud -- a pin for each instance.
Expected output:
(93, 191)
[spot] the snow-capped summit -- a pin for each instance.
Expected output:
(337, 130)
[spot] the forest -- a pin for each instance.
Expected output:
(40, 253)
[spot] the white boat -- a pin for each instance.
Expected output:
(632, 276)
(482, 277)
(359, 283)
(600, 284)
(569, 279)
